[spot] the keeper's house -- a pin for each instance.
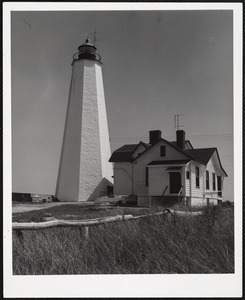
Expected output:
(166, 172)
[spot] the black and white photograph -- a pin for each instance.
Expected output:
(122, 149)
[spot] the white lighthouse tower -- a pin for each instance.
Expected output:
(84, 171)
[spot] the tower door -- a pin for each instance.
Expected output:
(174, 182)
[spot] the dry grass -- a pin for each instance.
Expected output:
(201, 244)
(76, 212)
(79, 212)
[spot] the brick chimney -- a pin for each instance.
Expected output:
(155, 136)
(180, 138)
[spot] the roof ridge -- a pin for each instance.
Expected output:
(203, 148)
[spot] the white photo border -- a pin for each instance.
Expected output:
(176, 285)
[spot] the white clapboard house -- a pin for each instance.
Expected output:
(166, 172)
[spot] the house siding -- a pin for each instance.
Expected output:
(212, 167)
(122, 178)
(197, 191)
(213, 202)
(151, 155)
(158, 181)
(198, 201)
(212, 193)
(187, 181)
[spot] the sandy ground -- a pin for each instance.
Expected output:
(24, 207)
(18, 207)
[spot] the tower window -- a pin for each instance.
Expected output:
(187, 175)
(207, 180)
(163, 151)
(197, 177)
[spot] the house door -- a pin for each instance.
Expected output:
(219, 183)
(175, 182)
(109, 190)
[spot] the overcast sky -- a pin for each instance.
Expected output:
(155, 64)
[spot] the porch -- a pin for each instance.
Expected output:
(167, 178)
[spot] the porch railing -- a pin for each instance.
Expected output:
(180, 192)
(164, 190)
(213, 193)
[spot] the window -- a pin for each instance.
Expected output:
(146, 176)
(187, 175)
(214, 186)
(197, 177)
(219, 185)
(163, 151)
(207, 180)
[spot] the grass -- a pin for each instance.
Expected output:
(74, 212)
(80, 212)
(200, 244)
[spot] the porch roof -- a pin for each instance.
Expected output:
(169, 162)
(177, 168)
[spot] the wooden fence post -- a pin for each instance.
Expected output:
(169, 216)
(86, 233)
(19, 234)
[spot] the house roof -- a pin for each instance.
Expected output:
(168, 162)
(201, 155)
(204, 154)
(125, 153)
(186, 142)
(177, 168)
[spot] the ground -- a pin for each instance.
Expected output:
(41, 212)
(152, 245)
(70, 211)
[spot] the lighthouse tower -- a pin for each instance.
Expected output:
(84, 171)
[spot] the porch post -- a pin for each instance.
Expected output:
(184, 185)
(190, 184)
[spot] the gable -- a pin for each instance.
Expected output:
(202, 154)
(188, 145)
(129, 152)
(154, 153)
(215, 164)
(208, 156)
(139, 149)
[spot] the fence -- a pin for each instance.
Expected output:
(19, 227)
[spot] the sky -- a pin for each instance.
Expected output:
(156, 64)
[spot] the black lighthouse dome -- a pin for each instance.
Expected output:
(87, 51)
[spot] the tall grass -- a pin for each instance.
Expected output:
(200, 244)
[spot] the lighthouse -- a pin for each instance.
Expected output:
(85, 172)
